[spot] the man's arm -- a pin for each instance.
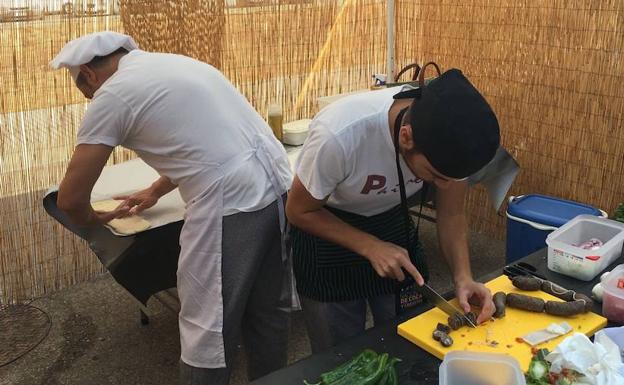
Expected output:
(308, 214)
(453, 238)
(452, 229)
(74, 193)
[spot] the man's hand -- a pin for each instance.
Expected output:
(144, 199)
(309, 214)
(105, 217)
(139, 201)
(469, 289)
(388, 260)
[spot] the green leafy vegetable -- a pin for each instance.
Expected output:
(538, 369)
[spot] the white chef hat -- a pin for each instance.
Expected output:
(85, 48)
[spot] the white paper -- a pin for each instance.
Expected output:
(551, 332)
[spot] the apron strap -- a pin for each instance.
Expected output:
(409, 280)
(423, 190)
(263, 155)
(288, 298)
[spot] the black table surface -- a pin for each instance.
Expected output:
(417, 366)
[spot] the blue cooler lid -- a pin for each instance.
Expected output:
(547, 210)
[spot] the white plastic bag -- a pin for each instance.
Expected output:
(600, 362)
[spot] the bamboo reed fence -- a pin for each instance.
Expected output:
(552, 72)
(550, 69)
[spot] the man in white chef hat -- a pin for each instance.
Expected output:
(184, 119)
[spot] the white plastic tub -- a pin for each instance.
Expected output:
(580, 263)
(296, 132)
(613, 296)
(472, 368)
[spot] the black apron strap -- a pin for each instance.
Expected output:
(404, 208)
(423, 191)
(405, 288)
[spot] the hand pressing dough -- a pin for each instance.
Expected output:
(106, 206)
(126, 226)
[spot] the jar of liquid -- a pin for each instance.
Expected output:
(275, 120)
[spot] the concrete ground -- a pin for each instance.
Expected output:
(96, 337)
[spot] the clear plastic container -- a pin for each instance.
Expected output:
(472, 368)
(580, 263)
(613, 296)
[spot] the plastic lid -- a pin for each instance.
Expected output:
(547, 210)
(506, 369)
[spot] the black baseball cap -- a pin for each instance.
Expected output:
(453, 125)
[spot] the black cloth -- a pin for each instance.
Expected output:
(452, 124)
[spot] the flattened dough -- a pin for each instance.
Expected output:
(106, 206)
(126, 226)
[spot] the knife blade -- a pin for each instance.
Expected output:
(438, 301)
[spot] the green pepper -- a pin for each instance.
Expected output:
(366, 375)
(386, 375)
(367, 368)
(390, 376)
(354, 364)
(393, 379)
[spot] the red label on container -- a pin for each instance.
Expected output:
(593, 257)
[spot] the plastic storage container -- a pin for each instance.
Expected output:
(530, 218)
(567, 259)
(472, 368)
(613, 297)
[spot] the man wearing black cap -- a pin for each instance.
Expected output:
(353, 242)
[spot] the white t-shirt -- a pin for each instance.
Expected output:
(349, 155)
(184, 119)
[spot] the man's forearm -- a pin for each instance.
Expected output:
(453, 239)
(82, 215)
(162, 186)
(74, 193)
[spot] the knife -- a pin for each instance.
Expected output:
(438, 301)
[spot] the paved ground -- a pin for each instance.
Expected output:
(96, 337)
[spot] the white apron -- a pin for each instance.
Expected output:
(199, 265)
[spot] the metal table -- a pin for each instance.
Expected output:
(418, 367)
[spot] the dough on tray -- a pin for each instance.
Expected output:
(126, 226)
